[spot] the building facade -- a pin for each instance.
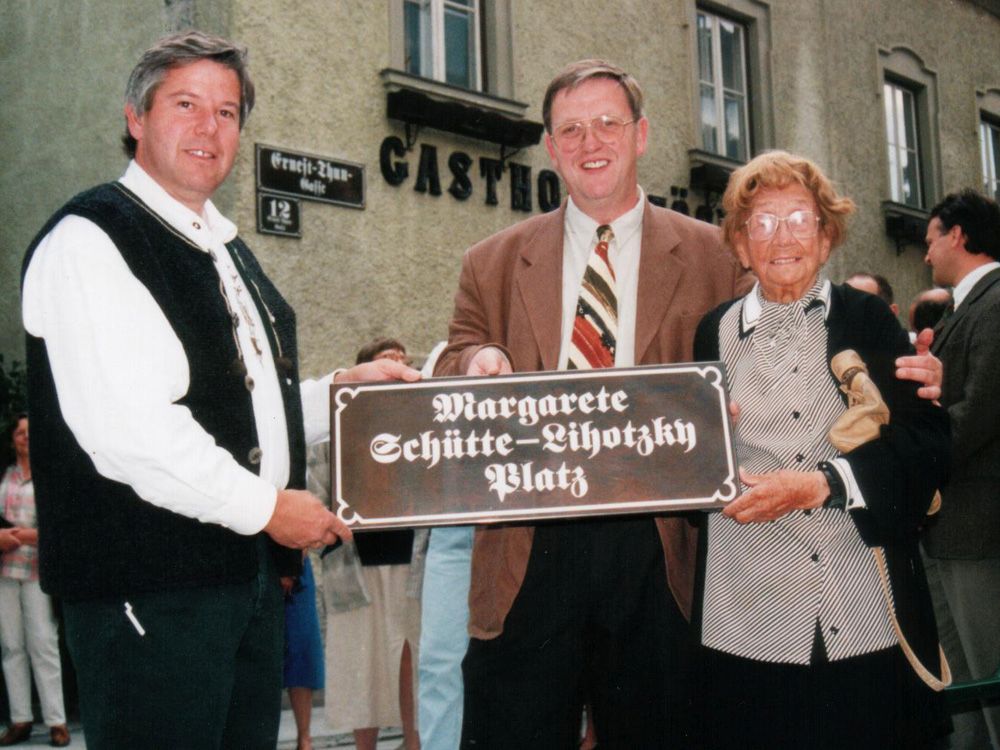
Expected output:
(389, 136)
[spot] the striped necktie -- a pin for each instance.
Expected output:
(595, 330)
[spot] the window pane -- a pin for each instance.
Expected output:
(910, 186)
(709, 126)
(990, 147)
(899, 105)
(731, 38)
(909, 117)
(894, 190)
(735, 137)
(415, 24)
(984, 155)
(705, 48)
(890, 117)
(459, 48)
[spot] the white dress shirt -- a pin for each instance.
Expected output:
(962, 288)
(580, 239)
(119, 370)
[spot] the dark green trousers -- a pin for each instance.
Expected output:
(206, 673)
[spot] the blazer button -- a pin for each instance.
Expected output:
(248, 382)
(254, 455)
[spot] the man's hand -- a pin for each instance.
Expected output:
(8, 540)
(773, 495)
(923, 367)
(301, 521)
(489, 361)
(380, 369)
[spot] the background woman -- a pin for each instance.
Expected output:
(800, 650)
(27, 626)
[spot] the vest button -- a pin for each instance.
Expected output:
(248, 382)
(254, 455)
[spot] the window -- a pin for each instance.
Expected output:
(989, 142)
(442, 41)
(732, 116)
(910, 109)
(904, 148)
(722, 86)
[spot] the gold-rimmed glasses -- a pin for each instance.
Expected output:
(569, 136)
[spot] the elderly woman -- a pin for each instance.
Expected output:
(800, 650)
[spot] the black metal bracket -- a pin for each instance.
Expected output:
(507, 153)
(412, 132)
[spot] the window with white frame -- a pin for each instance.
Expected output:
(989, 143)
(901, 129)
(722, 86)
(442, 41)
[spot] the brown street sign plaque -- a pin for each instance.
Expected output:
(531, 446)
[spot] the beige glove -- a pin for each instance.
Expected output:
(866, 411)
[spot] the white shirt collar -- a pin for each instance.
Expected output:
(752, 309)
(584, 228)
(205, 231)
(962, 288)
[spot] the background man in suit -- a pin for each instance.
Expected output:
(590, 610)
(963, 247)
(169, 425)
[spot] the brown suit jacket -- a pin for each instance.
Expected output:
(510, 296)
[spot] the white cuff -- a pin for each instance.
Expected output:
(855, 500)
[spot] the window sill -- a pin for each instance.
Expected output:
(423, 102)
(710, 172)
(397, 79)
(905, 224)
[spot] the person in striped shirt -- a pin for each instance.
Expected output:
(802, 638)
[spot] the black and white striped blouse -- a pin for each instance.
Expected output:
(768, 584)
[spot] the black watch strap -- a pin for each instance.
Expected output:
(838, 493)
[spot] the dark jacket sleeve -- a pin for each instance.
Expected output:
(706, 338)
(899, 472)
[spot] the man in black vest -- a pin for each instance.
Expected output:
(169, 425)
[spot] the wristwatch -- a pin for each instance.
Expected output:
(838, 493)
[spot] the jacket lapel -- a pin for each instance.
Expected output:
(538, 281)
(659, 272)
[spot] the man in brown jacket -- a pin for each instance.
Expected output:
(585, 611)
(577, 611)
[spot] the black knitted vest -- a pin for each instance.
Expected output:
(97, 538)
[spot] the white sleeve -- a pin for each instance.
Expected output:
(316, 408)
(119, 370)
(855, 500)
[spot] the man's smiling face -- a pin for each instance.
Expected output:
(600, 177)
(188, 138)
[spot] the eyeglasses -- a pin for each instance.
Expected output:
(801, 224)
(606, 128)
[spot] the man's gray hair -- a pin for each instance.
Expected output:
(175, 51)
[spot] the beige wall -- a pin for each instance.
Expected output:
(391, 269)
(63, 69)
